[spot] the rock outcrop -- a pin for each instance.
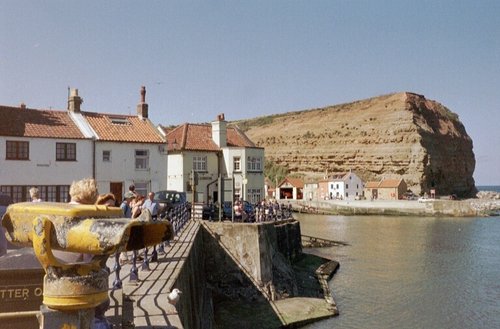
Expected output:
(397, 135)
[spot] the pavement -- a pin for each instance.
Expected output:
(145, 302)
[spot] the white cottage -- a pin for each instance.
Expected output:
(208, 160)
(42, 148)
(346, 185)
(51, 149)
(128, 149)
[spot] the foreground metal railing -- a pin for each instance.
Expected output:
(178, 216)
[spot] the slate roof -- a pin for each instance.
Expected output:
(198, 137)
(24, 122)
(122, 128)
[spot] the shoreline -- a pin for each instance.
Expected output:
(431, 207)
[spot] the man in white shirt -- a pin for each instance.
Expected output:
(152, 205)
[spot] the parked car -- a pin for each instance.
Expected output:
(169, 199)
(409, 196)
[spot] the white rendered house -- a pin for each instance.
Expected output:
(345, 186)
(207, 161)
(51, 149)
(44, 149)
(128, 149)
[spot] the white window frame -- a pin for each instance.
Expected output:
(254, 163)
(200, 163)
(141, 188)
(237, 164)
(141, 156)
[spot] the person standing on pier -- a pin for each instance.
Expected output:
(152, 205)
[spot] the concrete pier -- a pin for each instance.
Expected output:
(144, 304)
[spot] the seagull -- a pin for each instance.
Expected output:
(173, 297)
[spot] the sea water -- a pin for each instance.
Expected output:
(411, 272)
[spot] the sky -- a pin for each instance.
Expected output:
(254, 58)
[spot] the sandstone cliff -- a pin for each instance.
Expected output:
(397, 135)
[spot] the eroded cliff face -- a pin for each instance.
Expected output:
(398, 135)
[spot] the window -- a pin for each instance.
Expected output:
(52, 193)
(237, 164)
(141, 159)
(119, 120)
(337, 186)
(106, 156)
(331, 186)
(346, 186)
(254, 164)
(199, 163)
(254, 195)
(141, 188)
(64, 194)
(65, 151)
(17, 150)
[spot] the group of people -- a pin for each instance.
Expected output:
(85, 192)
(271, 210)
(261, 211)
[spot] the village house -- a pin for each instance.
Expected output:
(290, 188)
(323, 185)
(43, 148)
(206, 160)
(345, 186)
(50, 149)
(386, 189)
(128, 149)
(311, 191)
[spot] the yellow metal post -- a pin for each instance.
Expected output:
(93, 232)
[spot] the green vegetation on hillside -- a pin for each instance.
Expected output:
(275, 173)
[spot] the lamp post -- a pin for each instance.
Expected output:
(244, 183)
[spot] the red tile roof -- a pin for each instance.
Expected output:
(123, 128)
(385, 183)
(390, 183)
(372, 184)
(198, 137)
(295, 182)
(23, 122)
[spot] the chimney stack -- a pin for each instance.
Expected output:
(142, 107)
(219, 131)
(74, 101)
(22, 106)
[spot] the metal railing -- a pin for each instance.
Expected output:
(178, 216)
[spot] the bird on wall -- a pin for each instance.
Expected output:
(174, 296)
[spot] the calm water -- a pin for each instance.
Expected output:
(494, 188)
(408, 272)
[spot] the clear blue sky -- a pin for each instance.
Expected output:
(253, 58)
